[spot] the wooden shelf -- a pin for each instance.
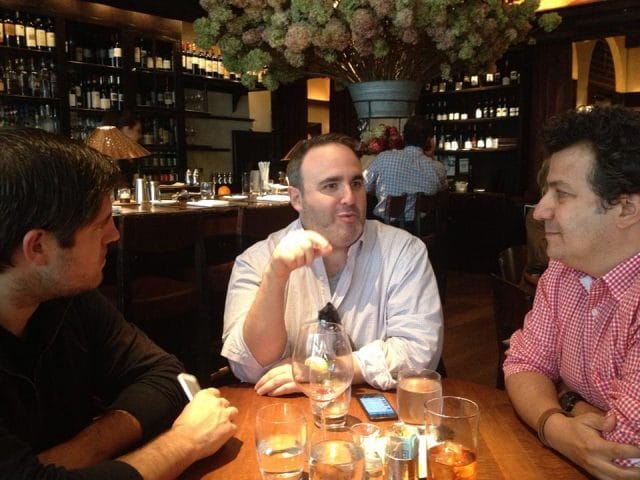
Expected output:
(491, 88)
(475, 120)
(25, 51)
(475, 151)
(30, 98)
(95, 66)
(198, 114)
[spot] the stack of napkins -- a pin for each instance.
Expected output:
(209, 203)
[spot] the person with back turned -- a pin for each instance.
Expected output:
(83, 393)
(377, 276)
(573, 371)
(410, 170)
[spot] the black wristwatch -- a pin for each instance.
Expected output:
(568, 400)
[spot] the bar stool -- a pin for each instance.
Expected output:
(394, 206)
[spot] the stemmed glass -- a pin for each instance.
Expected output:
(321, 362)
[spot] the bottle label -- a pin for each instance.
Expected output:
(166, 64)
(41, 38)
(19, 30)
(51, 40)
(31, 37)
(150, 62)
(117, 52)
(136, 55)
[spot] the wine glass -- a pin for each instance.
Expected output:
(321, 362)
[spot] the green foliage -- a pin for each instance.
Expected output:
(360, 40)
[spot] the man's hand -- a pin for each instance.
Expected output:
(208, 421)
(297, 249)
(579, 438)
(277, 381)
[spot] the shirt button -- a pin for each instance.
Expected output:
(594, 312)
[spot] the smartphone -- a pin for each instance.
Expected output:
(189, 384)
(377, 407)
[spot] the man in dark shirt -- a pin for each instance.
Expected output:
(83, 393)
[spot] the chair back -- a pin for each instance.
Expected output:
(511, 263)
(431, 228)
(511, 303)
(157, 247)
(394, 209)
(258, 222)
(431, 213)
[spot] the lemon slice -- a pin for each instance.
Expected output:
(318, 365)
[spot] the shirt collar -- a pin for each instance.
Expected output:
(619, 279)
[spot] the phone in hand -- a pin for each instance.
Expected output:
(189, 384)
(377, 407)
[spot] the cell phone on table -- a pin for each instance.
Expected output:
(189, 384)
(377, 407)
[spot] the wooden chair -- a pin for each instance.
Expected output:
(394, 210)
(152, 289)
(511, 263)
(431, 227)
(510, 306)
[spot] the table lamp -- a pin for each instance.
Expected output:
(293, 150)
(112, 142)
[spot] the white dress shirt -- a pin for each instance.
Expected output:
(387, 298)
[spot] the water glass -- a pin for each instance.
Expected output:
(206, 191)
(335, 455)
(401, 453)
(281, 439)
(367, 436)
(246, 183)
(415, 387)
(452, 438)
(335, 412)
(254, 182)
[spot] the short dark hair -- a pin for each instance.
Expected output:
(613, 135)
(295, 164)
(50, 182)
(417, 131)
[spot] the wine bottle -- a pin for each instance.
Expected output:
(41, 34)
(20, 34)
(30, 33)
(50, 35)
(9, 31)
(117, 53)
(137, 54)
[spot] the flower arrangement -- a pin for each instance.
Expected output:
(382, 137)
(362, 40)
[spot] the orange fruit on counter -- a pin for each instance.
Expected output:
(224, 190)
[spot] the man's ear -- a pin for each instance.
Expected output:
(35, 246)
(629, 210)
(295, 196)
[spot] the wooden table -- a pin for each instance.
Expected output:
(507, 448)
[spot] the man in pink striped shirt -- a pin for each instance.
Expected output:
(573, 370)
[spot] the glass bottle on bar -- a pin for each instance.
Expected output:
(30, 33)
(50, 35)
(9, 31)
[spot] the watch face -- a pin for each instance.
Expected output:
(568, 400)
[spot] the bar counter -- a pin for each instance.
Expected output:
(507, 450)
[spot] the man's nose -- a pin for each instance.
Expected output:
(543, 209)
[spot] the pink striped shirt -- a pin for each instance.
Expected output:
(586, 332)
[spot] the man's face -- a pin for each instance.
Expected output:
(577, 228)
(79, 268)
(333, 200)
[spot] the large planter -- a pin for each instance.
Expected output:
(385, 98)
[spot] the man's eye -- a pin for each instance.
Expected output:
(330, 186)
(357, 183)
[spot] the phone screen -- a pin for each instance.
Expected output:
(377, 406)
(189, 384)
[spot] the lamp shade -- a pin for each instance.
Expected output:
(112, 142)
(290, 154)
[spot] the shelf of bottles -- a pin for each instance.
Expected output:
(155, 74)
(94, 65)
(475, 113)
(28, 80)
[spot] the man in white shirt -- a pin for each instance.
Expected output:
(378, 277)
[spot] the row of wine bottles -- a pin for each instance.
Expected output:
(471, 139)
(101, 92)
(489, 107)
(209, 63)
(32, 77)
(34, 116)
(505, 77)
(18, 29)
